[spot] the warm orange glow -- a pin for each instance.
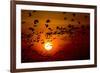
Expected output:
(48, 46)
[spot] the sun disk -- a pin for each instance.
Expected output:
(48, 46)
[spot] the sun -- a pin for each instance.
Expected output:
(48, 46)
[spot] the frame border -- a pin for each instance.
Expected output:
(13, 35)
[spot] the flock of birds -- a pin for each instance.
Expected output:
(59, 30)
(71, 30)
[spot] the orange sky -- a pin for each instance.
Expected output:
(39, 27)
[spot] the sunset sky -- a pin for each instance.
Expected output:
(54, 36)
